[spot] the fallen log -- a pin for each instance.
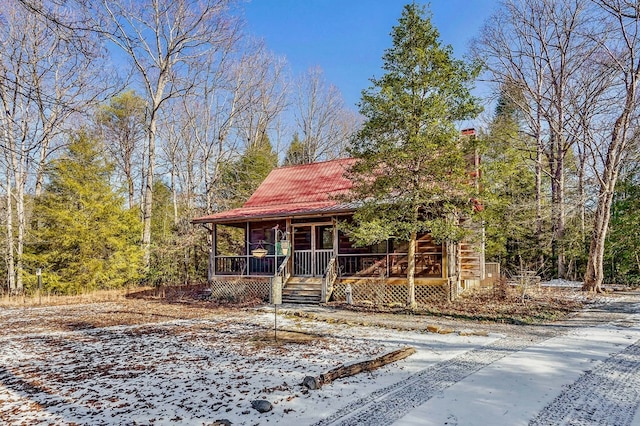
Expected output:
(370, 365)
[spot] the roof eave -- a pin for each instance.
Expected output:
(275, 216)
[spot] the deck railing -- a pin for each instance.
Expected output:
(311, 263)
(247, 265)
(302, 263)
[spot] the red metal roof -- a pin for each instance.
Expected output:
(293, 191)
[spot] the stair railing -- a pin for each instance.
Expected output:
(284, 271)
(329, 278)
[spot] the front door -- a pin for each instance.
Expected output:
(312, 249)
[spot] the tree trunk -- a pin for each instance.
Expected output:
(174, 195)
(353, 369)
(595, 269)
(148, 196)
(411, 271)
(539, 224)
(11, 276)
(151, 162)
(20, 213)
(453, 275)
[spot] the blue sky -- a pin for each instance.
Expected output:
(347, 38)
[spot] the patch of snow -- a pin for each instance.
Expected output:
(562, 283)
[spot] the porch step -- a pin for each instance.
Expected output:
(302, 291)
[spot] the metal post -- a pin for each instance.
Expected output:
(275, 250)
(39, 275)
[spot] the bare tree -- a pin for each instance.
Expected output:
(122, 126)
(620, 45)
(209, 117)
(44, 81)
(324, 123)
(261, 79)
(163, 40)
(537, 47)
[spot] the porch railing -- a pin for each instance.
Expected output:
(247, 265)
(323, 257)
(303, 263)
(329, 278)
(231, 265)
(363, 265)
(389, 265)
(311, 263)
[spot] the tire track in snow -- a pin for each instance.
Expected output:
(607, 395)
(389, 404)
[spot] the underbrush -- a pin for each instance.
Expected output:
(193, 294)
(53, 299)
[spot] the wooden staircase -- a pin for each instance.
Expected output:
(302, 290)
(469, 262)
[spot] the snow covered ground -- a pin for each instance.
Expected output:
(562, 283)
(197, 371)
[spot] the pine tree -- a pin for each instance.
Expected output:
(84, 238)
(509, 191)
(243, 176)
(295, 153)
(412, 171)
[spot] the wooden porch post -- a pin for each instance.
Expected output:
(336, 240)
(212, 254)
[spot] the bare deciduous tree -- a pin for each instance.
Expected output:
(45, 80)
(620, 45)
(537, 48)
(261, 79)
(121, 123)
(163, 40)
(324, 123)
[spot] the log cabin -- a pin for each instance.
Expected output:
(287, 234)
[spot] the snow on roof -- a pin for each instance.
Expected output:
(292, 191)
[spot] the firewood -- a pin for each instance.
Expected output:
(370, 365)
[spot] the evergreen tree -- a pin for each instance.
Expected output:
(509, 192)
(412, 173)
(243, 176)
(167, 251)
(84, 238)
(296, 152)
(623, 245)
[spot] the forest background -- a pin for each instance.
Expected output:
(105, 162)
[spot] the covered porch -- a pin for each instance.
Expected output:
(316, 261)
(288, 232)
(310, 245)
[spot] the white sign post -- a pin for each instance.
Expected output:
(276, 299)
